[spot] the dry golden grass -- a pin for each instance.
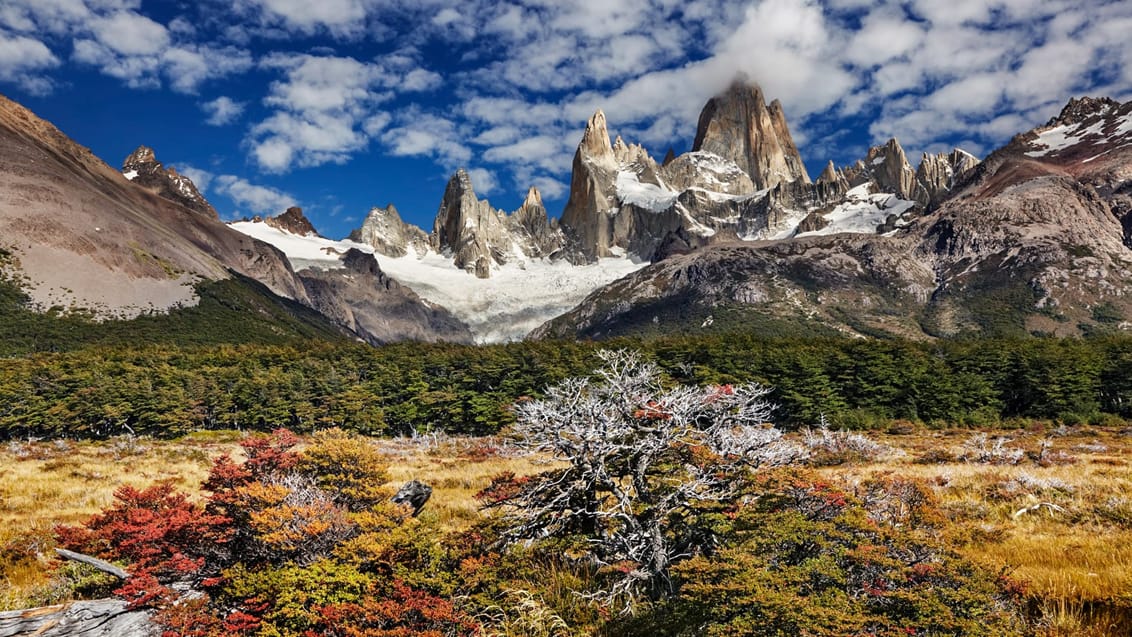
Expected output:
(1058, 521)
(1075, 556)
(44, 484)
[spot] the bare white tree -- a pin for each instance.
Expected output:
(640, 456)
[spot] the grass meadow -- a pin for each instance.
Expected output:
(1049, 506)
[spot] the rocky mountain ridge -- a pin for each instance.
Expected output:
(1034, 239)
(743, 180)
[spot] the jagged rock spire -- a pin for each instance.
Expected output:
(829, 175)
(595, 140)
(740, 126)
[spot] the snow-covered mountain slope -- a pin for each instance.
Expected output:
(520, 295)
(863, 212)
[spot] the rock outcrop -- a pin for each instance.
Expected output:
(588, 214)
(384, 229)
(377, 308)
(478, 236)
(938, 174)
(142, 168)
(532, 229)
(293, 221)
(738, 125)
(887, 167)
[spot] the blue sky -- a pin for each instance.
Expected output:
(341, 105)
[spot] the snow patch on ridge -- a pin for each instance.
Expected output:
(131, 175)
(651, 197)
(862, 212)
(1059, 138)
(519, 296)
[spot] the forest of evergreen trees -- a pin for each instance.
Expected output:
(167, 390)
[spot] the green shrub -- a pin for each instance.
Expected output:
(805, 559)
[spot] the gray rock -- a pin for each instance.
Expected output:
(377, 308)
(414, 493)
(388, 234)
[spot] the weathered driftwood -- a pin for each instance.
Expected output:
(102, 565)
(98, 618)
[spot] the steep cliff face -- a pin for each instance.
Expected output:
(479, 237)
(587, 217)
(939, 173)
(887, 167)
(532, 230)
(738, 125)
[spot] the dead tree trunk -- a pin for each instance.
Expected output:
(98, 618)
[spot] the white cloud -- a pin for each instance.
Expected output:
(339, 17)
(202, 179)
(484, 181)
(130, 34)
(424, 135)
(22, 59)
(326, 108)
(543, 151)
(446, 16)
(261, 200)
(222, 110)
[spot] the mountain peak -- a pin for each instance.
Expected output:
(384, 229)
(1078, 110)
(738, 125)
(829, 175)
(595, 140)
(534, 198)
(293, 221)
(142, 168)
(141, 155)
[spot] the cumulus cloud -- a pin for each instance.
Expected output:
(22, 59)
(260, 200)
(222, 111)
(321, 106)
(327, 108)
(424, 135)
(339, 17)
(202, 179)
(484, 181)
(114, 37)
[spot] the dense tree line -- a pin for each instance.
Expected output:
(170, 390)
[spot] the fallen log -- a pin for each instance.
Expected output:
(96, 618)
(102, 565)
